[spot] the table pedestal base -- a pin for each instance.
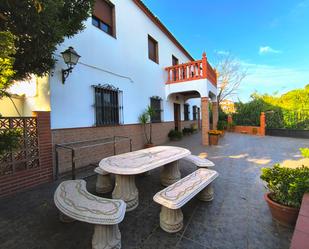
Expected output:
(125, 189)
(104, 184)
(171, 220)
(170, 174)
(207, 194)
(106, 237)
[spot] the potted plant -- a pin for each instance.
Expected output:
(231, 126)
(222, 125)
(174, 135)
(214, 137)
(145, 120)
(187, 131)
(286, 187)
(194, 128)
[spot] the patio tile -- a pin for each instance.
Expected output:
(238, 217)
(189, 244)
(159, 239)
(200, 233)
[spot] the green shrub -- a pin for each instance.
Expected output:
(304, 152)
(286, 185)
(222, 125)
(230, 126)
(174, 135)
(222, 115)
(9, 140)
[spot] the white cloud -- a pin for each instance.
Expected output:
(300, 9)
(268, 50)
(222, 52)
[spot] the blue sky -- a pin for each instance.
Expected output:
(270, 37)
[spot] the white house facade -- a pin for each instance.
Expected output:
(129, 60)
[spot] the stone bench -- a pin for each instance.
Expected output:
(198, 161)
(178, 194)
(104, 182)
(75, 202)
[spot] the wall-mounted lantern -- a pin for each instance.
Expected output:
(70, 57)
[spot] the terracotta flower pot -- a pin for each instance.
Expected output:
(222, 133)
(149, 146)
(285, 215)
(213, 139)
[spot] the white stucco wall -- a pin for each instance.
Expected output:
(122, 62)
(7, 108)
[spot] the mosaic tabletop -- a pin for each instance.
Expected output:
(141, 161)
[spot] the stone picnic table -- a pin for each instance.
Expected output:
(126, 166)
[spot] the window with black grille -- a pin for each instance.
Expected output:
(194, 112)
(186, 111)
(155, 104)
(108, 105)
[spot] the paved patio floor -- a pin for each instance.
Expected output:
(237, 218)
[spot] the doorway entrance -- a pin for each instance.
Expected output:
(177, 117)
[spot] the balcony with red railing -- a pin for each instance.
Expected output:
(193, 70)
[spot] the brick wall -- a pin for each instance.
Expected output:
(94, 154)
(251, 130)
(28, 178)
(300, 239)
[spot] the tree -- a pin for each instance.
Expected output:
(230, 75)
(7, 50)
(39, 26)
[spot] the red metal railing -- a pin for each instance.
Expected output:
(192, 70)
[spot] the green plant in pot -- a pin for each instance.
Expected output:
(145, 120)
(222, 125)
(231, 126)
(286, 188)
(187, 131)
(174, 135)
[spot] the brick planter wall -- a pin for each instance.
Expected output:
(85, 157)
(251, 130)
(247, 130)
(41, 172)
(300, 238)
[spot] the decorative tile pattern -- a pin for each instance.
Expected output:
(198, 161)
(73, 200)
(141, 161)
(27, 155)
(179, 193)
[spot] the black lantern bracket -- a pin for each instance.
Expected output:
(66, 73)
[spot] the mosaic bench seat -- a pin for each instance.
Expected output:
(198, 161)
(104, 182)
(178, 194)
(74, 201)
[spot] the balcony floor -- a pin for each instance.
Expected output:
(238, 217)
